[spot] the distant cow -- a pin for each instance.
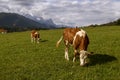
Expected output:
(79, 40)
(3, 31)
(35, 36)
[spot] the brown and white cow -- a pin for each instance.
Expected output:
(35, 36)
(3, 31)
(79, 39)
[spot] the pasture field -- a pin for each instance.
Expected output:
(22, 60)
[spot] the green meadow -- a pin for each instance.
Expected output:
(22, 60)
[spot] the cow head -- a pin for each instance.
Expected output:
(83, 56)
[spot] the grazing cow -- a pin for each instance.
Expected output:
(35, 36)
(3, 31)
(79, 39)
(80, 44)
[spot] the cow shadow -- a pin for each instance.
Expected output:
(41, 40)
(100, 59)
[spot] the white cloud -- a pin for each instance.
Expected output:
(70, 12)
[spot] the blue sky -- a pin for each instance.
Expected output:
(68, 12)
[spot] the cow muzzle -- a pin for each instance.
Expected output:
(83, 57)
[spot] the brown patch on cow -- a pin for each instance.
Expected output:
(81, 42)
(69, 33)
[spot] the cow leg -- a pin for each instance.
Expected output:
(66, 50)
(66, 54)
(75, 54)
(37, 40)
(32, 39)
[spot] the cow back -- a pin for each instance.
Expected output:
(69, 34)
(84, 43)
(81, 40)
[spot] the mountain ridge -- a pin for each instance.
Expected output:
(17, 22)
(49, 22)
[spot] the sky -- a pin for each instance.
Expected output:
(66, 12)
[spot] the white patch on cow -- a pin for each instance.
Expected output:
(81, 33)
(74, 39)
(66, 42)
(36, 33)
(83, 56)
(82, 62)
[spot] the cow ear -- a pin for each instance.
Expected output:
(90, 53)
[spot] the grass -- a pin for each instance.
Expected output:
(22, 60)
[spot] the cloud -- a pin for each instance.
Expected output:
(69, 12)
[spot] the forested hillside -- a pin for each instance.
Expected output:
(16, 22)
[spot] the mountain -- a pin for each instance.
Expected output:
(48, 22)
(16, 22)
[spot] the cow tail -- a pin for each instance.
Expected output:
(58, 42)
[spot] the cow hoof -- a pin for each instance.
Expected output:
(82, 65)
(67, 59)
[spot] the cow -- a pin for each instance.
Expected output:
(35, 36)
(3, 31)
(79, 40)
